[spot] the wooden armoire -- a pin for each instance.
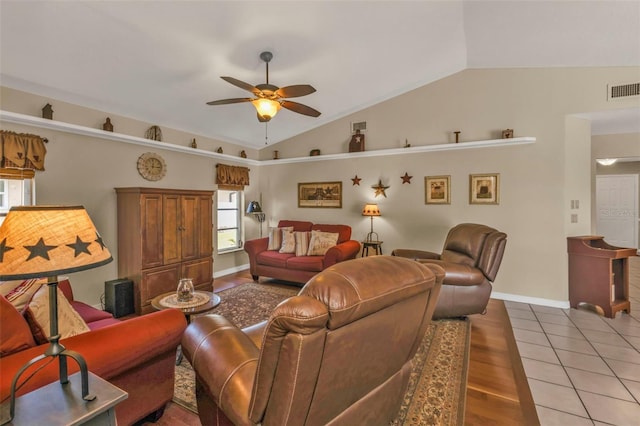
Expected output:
(164, 235)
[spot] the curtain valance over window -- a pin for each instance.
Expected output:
(22, 151)
(232, 177)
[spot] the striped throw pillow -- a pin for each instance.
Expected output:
(302, 242)
(275, 237)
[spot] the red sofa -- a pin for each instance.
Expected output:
(299, 269)
(136, 355)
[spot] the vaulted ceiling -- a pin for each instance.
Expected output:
(160, 62)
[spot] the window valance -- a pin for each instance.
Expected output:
(22, 150)
(231, 177)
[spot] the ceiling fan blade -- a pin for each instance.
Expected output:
(295, 91)
(300, 109)
(229, 101)
(241, 84)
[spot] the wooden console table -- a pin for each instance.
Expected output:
(57, 405)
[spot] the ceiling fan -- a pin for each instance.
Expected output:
(269, 98)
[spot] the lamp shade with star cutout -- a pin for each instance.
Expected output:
(46, 241)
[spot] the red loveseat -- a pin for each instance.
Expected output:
(136, 355)
(299, 269)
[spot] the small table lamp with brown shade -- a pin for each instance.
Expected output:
(47, 241)
(371, 210)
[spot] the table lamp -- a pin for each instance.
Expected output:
(47, 241)
(371, 210)
(255, 209)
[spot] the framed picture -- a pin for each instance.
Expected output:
(437, 189)
(484, 189)
(320, 194)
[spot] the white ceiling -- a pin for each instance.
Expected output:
(161, 61)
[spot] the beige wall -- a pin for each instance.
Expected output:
(537, 180)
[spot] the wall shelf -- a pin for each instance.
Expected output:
(16, 118)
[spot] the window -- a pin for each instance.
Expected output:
(229, 221)
(15, 192)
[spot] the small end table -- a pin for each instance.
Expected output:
(377, 245)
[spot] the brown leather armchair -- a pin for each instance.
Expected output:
(338, 353)
(471, 258)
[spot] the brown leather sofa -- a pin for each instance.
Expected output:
(471, 257)
(338, 353)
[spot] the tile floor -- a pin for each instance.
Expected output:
(582, 368)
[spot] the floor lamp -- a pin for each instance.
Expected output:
(47, 241)
(371, 210)
(255, 209)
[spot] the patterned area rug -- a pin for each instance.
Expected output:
(437, 386)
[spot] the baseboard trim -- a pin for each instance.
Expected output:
(223, 272)
(562, 304)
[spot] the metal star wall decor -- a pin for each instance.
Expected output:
(380, 188)
(356, 180)
(406, 178)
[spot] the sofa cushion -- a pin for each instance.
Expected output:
(90, 314)
(302, 242)
(288, 241)
(273, 258)
(70, 323)
(15, 334)
(344, 231)
(321, 242)
(306, 263)
(20, 292)
(275, 237)
(298, 225)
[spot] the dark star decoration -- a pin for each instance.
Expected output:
(380, 189)
(40, 249)
(356, 180)
(99, 240)
(4, 248)
(79, 247)
(406, 178)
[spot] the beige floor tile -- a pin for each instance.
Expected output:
(608, 337)
(530, 337)
(610, 410)
(538, 352)
(554, 319)
(546, 372)
(546, 310)
(549, 417)
(634, 387)
(599, 383)
(521, 313)
(557, 397)
(571, 344)
(561, 330)
(526, 324)
(625, 370)
(583, 362)
(617, 352)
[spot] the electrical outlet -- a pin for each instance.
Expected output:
(574, 218)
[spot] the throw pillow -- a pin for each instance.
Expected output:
(321, 242)
(275, 237)
(70, 323)
(20, 292)
(302, 242)
(288, 242)
(15, 334)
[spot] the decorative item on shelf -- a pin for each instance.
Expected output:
(48, 241)
(507, 133)
(314, 152)
(407, 144)
(437, 189)
(371, 210)
(219, 150)
(255, 209)
(151, 166)
(276, 155)
(357, 142)
(154, 133)
(457, 133)
(47, 112)
(185, 290)
(107, 126)
(194, 144)
(243, 154)
(406, 178)
(484, 188)
(356, 180)
(380, 188)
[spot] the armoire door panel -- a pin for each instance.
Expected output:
(157, 281)
(189, 227)
(151, 219)
(201, 272)
(171, 229)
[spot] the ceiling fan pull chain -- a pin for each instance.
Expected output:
(266, 134)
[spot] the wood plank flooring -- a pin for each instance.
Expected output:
(497, 389)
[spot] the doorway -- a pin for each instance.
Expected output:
(617, 209)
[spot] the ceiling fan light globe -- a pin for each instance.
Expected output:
(267, 108)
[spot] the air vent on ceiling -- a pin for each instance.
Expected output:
(622, 91)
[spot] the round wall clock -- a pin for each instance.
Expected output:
(151, 166)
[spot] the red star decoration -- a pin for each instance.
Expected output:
(356, 180)
(406, 178)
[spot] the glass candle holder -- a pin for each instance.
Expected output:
(185, 290)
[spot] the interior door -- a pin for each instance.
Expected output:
(617, 209)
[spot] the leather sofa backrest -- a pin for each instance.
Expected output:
(348, 337)
(344, 231)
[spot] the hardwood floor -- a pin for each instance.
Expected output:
(497, 388)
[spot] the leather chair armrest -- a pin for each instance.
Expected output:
(341, 252)
(225, 360)
(457, 273)
(253, 247)
(415, 254)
